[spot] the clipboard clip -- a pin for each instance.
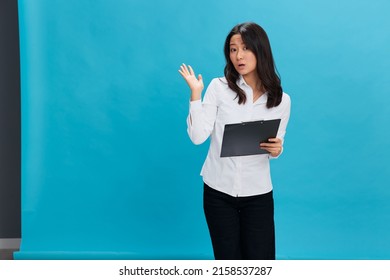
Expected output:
(245, 122)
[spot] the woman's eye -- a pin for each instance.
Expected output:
(232, 50)
(245, 48)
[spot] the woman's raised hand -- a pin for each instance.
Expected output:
(195, 83)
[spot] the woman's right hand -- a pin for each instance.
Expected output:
(195, 84)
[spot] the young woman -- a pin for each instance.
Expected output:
(238, 199)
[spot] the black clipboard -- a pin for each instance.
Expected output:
(243, 139)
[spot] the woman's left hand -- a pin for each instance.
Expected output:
(274, 147)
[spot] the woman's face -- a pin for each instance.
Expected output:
(243, 59)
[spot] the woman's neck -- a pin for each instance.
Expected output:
(254, 82)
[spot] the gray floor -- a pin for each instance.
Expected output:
(6, 254)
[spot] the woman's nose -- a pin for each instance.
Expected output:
(239, 55)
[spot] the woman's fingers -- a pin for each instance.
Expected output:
(200, 78)
(274, 146)
(184, 70)
(195, 83)
(191, 70)
(275, 140)
(273, 143)
(188, 73)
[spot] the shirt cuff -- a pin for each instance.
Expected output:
(195, 105)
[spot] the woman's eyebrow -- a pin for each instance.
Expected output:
(231, 44)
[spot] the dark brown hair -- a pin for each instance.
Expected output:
(256, 40)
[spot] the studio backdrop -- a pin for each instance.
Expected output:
(108, 171)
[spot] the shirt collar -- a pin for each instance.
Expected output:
(262, 99)
(241, 81)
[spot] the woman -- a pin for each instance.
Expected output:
(238, 197)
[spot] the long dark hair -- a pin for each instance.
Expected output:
(256, 40)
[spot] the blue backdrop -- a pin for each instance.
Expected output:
(108, 171)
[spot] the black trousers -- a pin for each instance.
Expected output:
(240, 227)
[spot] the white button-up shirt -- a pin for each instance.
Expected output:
(240, 175)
